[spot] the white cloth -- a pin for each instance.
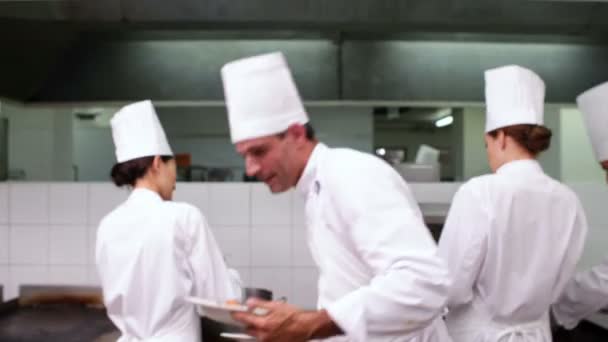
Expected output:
(584, 295)
(587, 292)
(511, 241)
(474, 323)
(514, 95)
(137, 133)
(261, 97)
(150, 255)
(380, 276)
(594, 105)
(427, 155)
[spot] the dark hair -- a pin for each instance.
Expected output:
(533, 138)
(127, 173)
(310, 132)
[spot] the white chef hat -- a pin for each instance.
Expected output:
(427, 155)
(261, 97)
(594, 105)
(514, 95)
(138, 133)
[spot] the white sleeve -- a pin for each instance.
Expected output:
(211, 278)
(463, 243)
(410, 282)
(584, 295)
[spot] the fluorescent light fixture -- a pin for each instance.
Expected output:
(381, 152)
(445, 121)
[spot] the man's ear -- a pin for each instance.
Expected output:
(297, 132)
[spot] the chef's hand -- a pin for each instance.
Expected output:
(284, 322)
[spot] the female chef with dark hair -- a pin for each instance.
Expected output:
(152, 252)
(512, 238)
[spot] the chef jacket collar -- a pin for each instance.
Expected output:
(308, 180)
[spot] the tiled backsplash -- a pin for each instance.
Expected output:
(47, 231)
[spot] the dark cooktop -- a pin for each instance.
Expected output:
(68, 322)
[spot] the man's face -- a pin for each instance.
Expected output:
(270, 159)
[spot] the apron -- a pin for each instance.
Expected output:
(473, 323)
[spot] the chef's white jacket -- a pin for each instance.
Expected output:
(150, 255)
(380, 276)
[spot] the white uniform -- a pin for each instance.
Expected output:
(587, 292)
(150, 255)
(380, 276)
(511, 240)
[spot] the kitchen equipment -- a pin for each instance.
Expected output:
(427, 155)
(53, 314)
(253, 292)
(413, 172)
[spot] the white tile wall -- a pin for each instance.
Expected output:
(68, 275)
(261, 235)
(229, 204)
(304, 290)
(269, 209)
(68, 203)
(245, 274)
(235, 245)
(29, 245)
(434, 192)
(196, 194)
(4, 203)
(300, 251)
(29, 203)
(92, 276)
(270, 247)
(4, 245)
(68, 245)
(277, 279)
(25, 275)
(91, 239)
(5, 280)
(103, 198)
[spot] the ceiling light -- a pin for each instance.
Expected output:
(445, 121)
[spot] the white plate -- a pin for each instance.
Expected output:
(237, 336)
(217, 312)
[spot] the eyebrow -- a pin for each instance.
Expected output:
(250, 148)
